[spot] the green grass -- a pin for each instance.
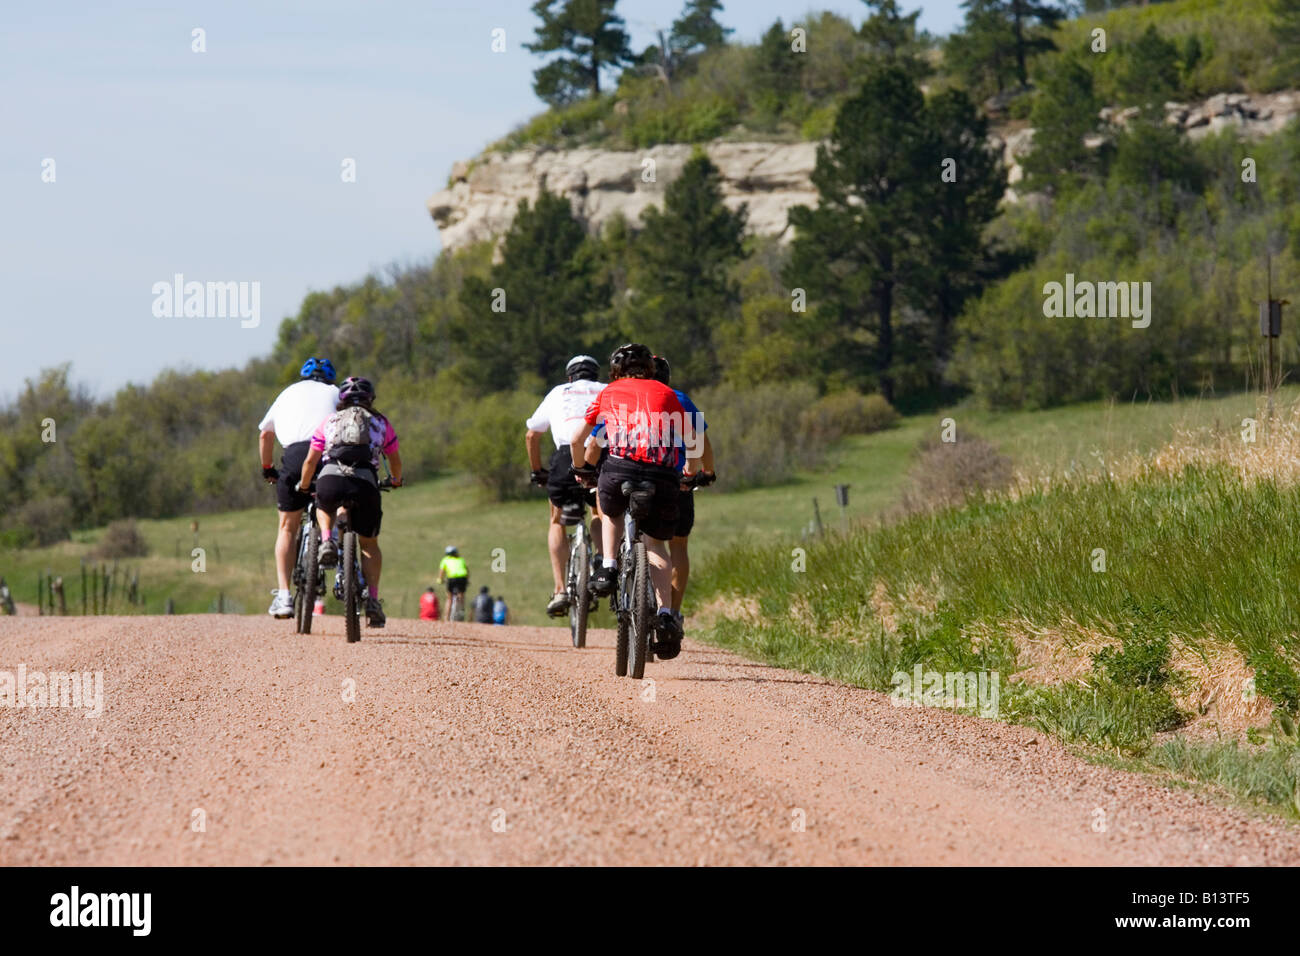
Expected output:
(423, 517)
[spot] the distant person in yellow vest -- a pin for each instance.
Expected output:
(454, 571)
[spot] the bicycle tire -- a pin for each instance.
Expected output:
(641, 612)
(311, 578)
(351, 592)
(579, 574)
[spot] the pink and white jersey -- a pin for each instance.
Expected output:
(382, 437)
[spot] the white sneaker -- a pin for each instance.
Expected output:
(281, 604)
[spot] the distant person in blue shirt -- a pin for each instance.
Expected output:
(500, 613)
(681, 561)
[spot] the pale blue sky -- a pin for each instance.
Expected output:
(225, 165)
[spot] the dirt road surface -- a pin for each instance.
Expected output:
(231, 740)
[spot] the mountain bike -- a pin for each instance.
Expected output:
(633, 600)
(308, 578)
(349, 579)
(578, 575)
(455, 605)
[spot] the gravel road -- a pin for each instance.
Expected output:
(231, 740)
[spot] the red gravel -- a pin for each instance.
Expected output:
(479, 744)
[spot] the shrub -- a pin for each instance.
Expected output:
(122, 539)
(948, 474)
(757, 433)
(839, 414)
(489, 446)
(40, 522)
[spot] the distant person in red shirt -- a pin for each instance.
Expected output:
(429, 605)
(645, 423)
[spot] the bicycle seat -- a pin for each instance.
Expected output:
(639, 495)
(572, 512)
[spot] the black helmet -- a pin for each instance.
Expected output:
(662, 372)
(631, 361)
(582, 366)
(356, 391)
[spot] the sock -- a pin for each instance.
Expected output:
(374, 592)
(284, 592)
(666, 610)
(609, 562)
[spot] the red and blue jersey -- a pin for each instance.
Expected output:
(644, 421)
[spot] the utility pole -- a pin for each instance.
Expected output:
(1270, 327)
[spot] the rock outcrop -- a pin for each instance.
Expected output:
(482, 196)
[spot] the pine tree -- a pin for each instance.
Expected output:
(593, 36)
(892, 36)
(954, 259)
(535, 304)
(1286, 27)
(775, 71)
(1065, 112)
(875, 182)
(681, 278)
(698, 27)
(999, 37)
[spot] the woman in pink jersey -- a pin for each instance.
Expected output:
(348, 444)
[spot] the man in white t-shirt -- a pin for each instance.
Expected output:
(293, 416)
(563, 412)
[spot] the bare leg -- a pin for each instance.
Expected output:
(661, 574)
(372, 562)
(611, 533)
(555, 540)
(681, 569)
(284, 556)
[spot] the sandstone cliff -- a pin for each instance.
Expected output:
(481, 198)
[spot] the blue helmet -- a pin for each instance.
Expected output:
(320, 369)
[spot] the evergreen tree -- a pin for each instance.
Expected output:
(982, 53)
(875, 181)
(775, 71)
(1065, 112)
(955, 261)
(534, 306)
(698, 27)
(683, 288)
(892, 36)
(1150, 72)
(593, 36)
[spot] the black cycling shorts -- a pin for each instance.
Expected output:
(561, 486)
(685, 514)
(662, 520)
(364, 511)
(457, 585)
(286, 499)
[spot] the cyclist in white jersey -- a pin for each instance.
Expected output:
(562, 412)
(291, 419)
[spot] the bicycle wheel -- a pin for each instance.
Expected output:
(579, 581)
(641, 614)
(310, 577)
(351, 588)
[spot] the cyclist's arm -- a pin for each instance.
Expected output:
(395, 465)
(706, 462)
(578, 447)
(691, 449)
(309, 467)
(266, 446)
(533, 442)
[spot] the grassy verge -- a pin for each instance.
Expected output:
(1114, 608)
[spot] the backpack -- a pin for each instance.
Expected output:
(352, 438)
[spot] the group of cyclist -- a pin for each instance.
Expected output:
(635, 428)
(332, 440)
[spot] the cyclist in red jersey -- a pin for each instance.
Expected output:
(645, 425)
